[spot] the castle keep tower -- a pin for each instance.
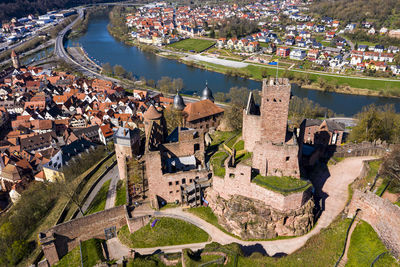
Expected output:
(274, 110)
(15, 60)
(275, 150)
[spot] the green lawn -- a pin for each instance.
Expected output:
(243, 158)
(166, 232)
(284, 185)
(231, 141)
(217, 161)
(196, 45)
(121, 194)
(92, 252)
(99, 201)
(365, 246)
(219, 137)
(239, 145)
(72, 259)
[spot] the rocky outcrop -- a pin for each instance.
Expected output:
(254, 219)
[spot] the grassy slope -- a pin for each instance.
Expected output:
(365, 246)
(320, 250)
(99, 201)
(92, 252)
(192, 44)
(166, 232)
(72, 259)
(121, 194)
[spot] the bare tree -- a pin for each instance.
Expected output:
(391, 167)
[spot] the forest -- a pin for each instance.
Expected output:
(20, 8)
(383, 13)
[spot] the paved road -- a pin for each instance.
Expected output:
(112, 191)
(112, 173)
(333, 191)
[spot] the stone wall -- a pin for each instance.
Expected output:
(250, 130)
(240, 184)
(251, 218)
(361, 150)
(168, 185)
(381, 214)
(62, 238)
(276, 160)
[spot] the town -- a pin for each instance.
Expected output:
(100, 166)
(299, 38)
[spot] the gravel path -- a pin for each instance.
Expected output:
(334, 189)
(223, 62)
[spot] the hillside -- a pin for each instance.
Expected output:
(21, 8)
(384, 13)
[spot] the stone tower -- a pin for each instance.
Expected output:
(15, 60)
(154, 128)
(275, 150)
(127, 145)
(275, 110)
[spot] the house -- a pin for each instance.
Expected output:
(379, 48)
(283, 51)
(313, 54)
(54, 169)
(221, 42)
(318, 132)
(105, 133)
(362, 48)
(297, 54)
(330, 35)
(202, 115)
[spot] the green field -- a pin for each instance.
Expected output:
(99, 201)
(365, 246)
(284, 185)
(258, 72)
(166, 232)
(196, 45)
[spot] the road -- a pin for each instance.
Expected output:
(112, 191)
(109, 175)
(333, 191)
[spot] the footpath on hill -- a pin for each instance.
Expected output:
(335, 187)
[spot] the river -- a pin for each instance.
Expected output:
(102, 47)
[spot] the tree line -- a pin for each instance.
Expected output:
(21, 8)
(34, 204)
(382, 12)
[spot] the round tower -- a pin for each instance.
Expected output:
(15, 60)
(207, 94)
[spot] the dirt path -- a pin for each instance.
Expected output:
(335, 189)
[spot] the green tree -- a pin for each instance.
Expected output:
(107, 69)
(17, 251)
(173, 118)
(119, 71)
(233, 116)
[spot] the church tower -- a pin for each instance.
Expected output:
(15, 60)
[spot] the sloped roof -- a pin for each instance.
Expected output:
(152, 113)
(201, 109)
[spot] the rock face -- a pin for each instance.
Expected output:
(253, 219)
